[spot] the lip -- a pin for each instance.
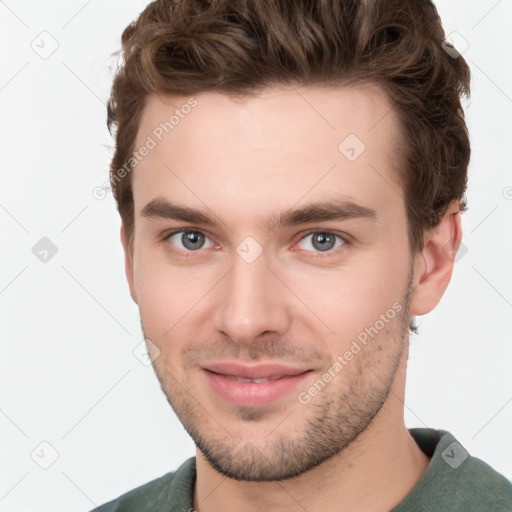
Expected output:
(255, 371)
(283, 380)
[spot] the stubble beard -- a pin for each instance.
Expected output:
(336, 417)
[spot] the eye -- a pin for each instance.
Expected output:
(192, 240)
(322, 241)
(188, 240)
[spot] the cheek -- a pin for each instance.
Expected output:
(176, 302)
(161, 297)
(351, 298)
(376, 280)
(170, 297)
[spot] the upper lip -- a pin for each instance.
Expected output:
(259, 371)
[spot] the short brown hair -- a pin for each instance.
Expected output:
(239, 47)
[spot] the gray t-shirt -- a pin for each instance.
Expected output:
(453, 482)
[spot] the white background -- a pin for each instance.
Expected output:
(68, 327)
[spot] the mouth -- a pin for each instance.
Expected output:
(253, 386)
(243, 379)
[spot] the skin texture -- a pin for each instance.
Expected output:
(297, 303)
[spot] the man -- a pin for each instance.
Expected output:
(290, 176)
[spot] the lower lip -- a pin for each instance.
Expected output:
(253, 394)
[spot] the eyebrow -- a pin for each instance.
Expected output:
(314, 212)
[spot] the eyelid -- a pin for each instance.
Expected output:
(332, 252)
(342, 236)
(169, 234)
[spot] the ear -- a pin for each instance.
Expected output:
(434, 264)
(128, 262)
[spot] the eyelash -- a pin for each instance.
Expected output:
(319, 254)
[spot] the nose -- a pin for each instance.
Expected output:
(252, 302)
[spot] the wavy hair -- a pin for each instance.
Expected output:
(239, 47)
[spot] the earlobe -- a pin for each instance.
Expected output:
(128, 262)
(434, 265)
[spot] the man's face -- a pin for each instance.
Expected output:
(251, 311)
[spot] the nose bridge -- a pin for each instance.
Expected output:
(251, 301)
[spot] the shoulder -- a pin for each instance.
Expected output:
(479, 485)
(140, 498)
(159, 494)
(455, 480)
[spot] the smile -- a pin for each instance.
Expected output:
(253, 386)
(257, 381)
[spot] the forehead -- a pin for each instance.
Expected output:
(270, 149)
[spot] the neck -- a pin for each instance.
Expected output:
(375, 472)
